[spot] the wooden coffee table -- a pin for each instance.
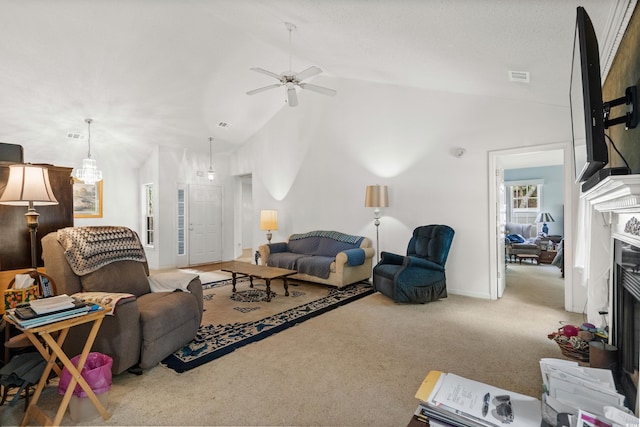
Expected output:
(245, 269)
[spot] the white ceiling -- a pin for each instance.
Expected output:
(168, 71)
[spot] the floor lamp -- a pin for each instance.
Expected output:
(28, 185)
(376, 197)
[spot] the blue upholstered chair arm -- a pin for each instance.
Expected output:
(415, 262)
(275, 248)
(391, 258)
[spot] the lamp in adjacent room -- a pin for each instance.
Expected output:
(211, 174)
(28, 185)
(544, 218)
(269, 222)
(89, 173)
(377, 196)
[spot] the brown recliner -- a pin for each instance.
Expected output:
(143, 330)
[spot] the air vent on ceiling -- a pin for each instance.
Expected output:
(519, 76)
(73, 135)
(224, 125)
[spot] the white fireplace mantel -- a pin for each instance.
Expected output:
(618, 194)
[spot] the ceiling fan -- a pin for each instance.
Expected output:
(291, 79)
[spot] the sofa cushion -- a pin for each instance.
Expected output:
(286, 260)
(525, 230)
(330, 247)
(307, 246)
(317, 265)
(120, 277)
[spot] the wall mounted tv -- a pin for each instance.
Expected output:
(589, 114)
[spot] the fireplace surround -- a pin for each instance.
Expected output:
(612, 254)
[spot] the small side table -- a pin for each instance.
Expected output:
(55, 352)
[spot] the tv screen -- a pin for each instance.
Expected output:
(585, 95)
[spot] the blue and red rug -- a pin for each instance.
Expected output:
(231, 321)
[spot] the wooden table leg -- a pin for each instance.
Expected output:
(233, 282)
(268, 281)
(286, 286)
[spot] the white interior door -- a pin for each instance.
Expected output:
(205, 224)
(501, 220)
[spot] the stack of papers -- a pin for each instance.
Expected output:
(45, 312)
(570, 388)
(47, 305)
(448, 399)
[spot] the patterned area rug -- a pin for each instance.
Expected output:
(231, 320)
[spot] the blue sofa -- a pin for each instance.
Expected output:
(327, 257)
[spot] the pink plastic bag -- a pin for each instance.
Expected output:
(96, 372)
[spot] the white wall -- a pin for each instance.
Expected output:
(313, 162)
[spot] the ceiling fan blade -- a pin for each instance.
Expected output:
(309, 72)
(262, 89)
(319, 89)
(292, 96)
(268, 73)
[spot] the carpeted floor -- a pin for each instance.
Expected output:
(358, 365)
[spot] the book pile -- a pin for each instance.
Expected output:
(575, 391)
(48, 310)
(450, 400)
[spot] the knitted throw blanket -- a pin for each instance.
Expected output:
(89, 248)
(335, 235)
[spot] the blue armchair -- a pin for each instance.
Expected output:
(420, 275)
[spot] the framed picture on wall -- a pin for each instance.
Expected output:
(87, 200)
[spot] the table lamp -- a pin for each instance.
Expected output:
(544, 218)
(28, 185)
(269, 221)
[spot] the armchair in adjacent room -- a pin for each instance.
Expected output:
(420, 275)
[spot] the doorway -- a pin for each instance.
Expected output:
(546, 155)
(205, 224)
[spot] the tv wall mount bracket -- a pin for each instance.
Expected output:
(630, 119)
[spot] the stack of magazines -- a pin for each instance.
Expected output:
(48, 310)
(451, 400)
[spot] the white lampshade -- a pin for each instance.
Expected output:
(269, 219)
(377, 196)
(28, 184)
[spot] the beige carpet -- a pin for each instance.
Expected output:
(358, 365)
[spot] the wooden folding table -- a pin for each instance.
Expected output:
(52, 352)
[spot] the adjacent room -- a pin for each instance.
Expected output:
(400, 180)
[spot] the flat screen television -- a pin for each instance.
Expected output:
(585, 94)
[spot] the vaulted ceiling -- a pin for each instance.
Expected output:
(169, 72)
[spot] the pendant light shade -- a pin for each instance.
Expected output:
(89, 173)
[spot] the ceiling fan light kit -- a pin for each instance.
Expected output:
(291, 79)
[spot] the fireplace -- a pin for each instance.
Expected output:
(625, 331)
(610, 262)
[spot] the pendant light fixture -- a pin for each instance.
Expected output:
(211, 174)
(89, 173)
